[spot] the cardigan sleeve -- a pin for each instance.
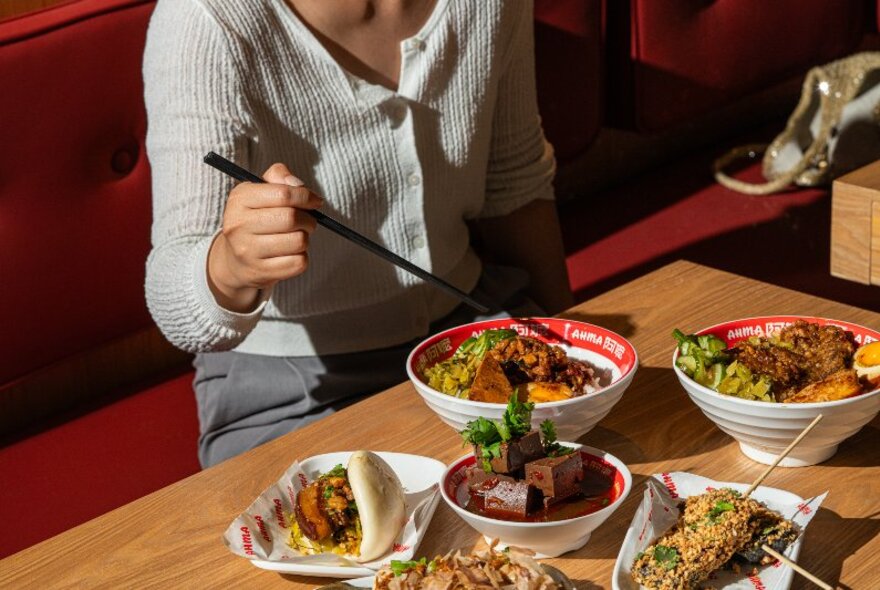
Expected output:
(195, 104)
(521, 165)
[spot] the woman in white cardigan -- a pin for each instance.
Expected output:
(413, 121)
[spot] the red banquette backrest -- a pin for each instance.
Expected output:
(672, 60)
(75, 207)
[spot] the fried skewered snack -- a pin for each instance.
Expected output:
(712, 529)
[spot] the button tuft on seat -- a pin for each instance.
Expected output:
(124, 159)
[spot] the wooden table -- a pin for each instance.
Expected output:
(172, 538)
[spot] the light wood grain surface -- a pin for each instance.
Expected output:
(855, 225)
(172, 538)
(10, 8)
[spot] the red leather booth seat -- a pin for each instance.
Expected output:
(568, 62)
(674, 59)
(75, 218)
(74, 181)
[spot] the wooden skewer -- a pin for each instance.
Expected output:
(782, 456)
(796, 567)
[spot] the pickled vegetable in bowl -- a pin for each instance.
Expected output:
(455, 375)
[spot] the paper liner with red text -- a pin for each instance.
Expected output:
(262, 531)
(659, 512)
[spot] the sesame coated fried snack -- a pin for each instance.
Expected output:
(715, 530)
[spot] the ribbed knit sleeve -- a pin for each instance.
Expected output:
(195, 103)
(521, 162)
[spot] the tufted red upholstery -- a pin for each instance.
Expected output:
(75, 214)
(568, 60)
(74, 182)
(59, 478)
(672, 60)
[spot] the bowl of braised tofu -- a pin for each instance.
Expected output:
(762, 380)
(574, 372)
(524, 488)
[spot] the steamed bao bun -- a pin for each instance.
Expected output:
(380, 501)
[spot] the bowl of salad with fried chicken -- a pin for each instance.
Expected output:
(762, 380)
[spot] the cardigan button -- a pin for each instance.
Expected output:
(397, 110)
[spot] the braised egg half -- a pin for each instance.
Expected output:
(866, 362)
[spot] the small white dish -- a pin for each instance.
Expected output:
(420, 477)
(546, 539)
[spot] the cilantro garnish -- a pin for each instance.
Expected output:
(328, 492)
(399, 567)
(666, 556)
(720, 508)
(551, 447)
(480, 345)
(548, 431)
(517, 418)
(489, 434)
(338, 471)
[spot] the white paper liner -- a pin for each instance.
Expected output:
(261, 532)
(659, 512)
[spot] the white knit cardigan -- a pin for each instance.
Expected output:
(460, 139)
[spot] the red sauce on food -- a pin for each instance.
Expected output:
(600, 488)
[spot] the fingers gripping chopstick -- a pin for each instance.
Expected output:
(239, 173)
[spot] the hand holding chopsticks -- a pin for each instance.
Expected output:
(243, 175)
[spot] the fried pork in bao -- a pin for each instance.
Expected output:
(489, 570)
(355, 511)
(712, 529)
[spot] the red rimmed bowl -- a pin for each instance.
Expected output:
(765, 429)
(546, 539)
(573, 417)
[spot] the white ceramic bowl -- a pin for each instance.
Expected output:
(573, 417)
(546, 539)
(764, 429)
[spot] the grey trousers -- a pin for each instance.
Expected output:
(245, 400)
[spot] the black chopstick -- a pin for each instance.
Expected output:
(239, 173)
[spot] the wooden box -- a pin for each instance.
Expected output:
(855, 226)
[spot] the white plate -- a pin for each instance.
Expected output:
(420, 477)
(775, 499)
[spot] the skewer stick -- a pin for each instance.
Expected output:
(782, 456)
(796, 567)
